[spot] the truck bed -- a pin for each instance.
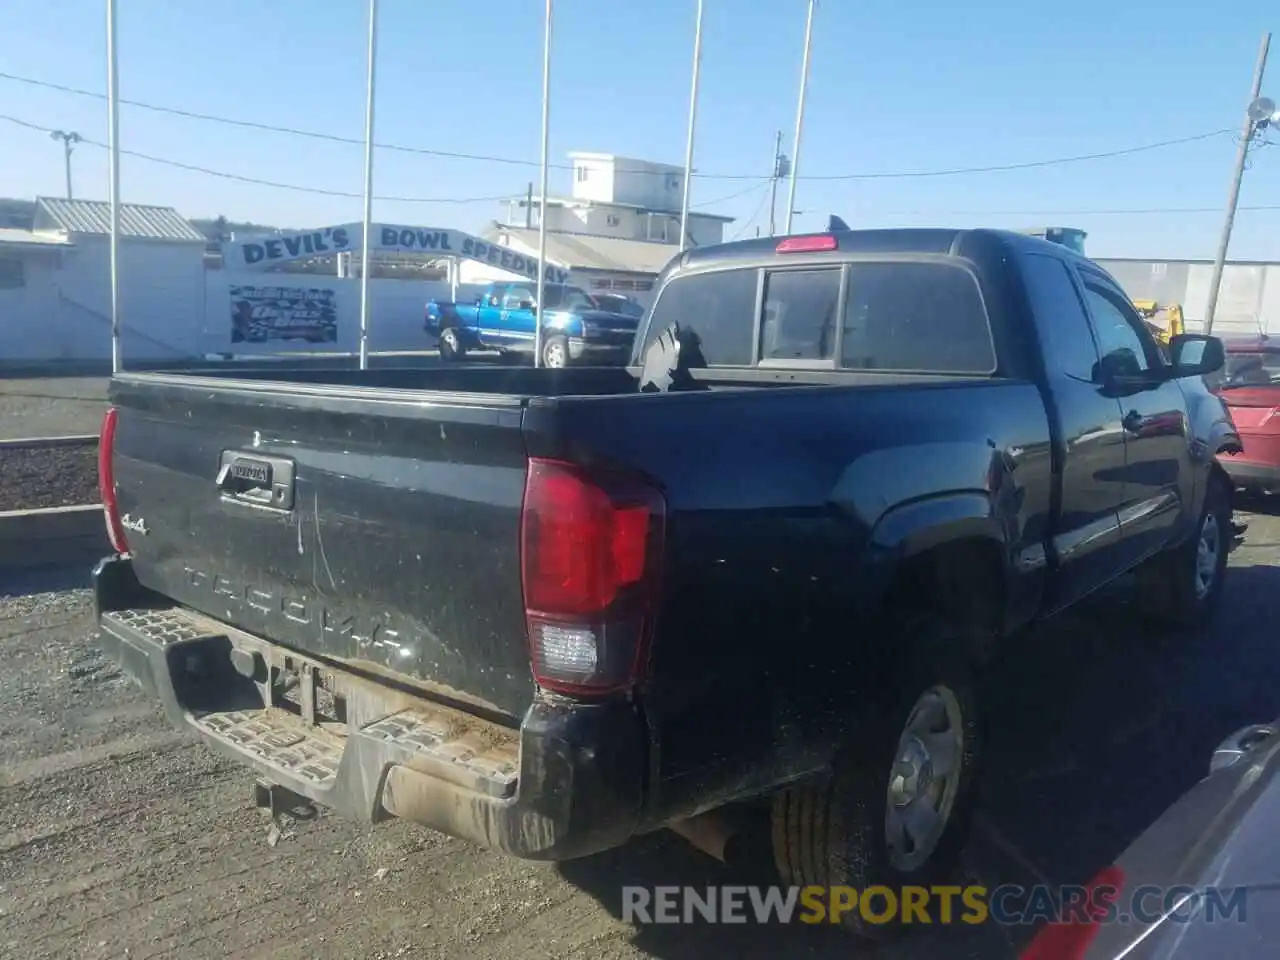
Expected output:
(398, 551)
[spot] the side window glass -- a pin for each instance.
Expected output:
(717, 308)
(516, 296)
(1065, 335)
(800, 314)
(1118, 339)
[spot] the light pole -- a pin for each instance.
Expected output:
(1261, 113)
(69, 140)
(693, 120)
(367, 224)
(804, 89)
(539, 309)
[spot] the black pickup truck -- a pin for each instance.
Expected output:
(548, 610)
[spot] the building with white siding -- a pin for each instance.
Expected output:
(616, 230)
(1248, 302)
(55, 283)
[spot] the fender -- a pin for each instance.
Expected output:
(1222, 438)
(912, 528)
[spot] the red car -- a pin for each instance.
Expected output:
(1250, 385)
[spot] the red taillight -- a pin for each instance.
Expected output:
(1071, 938)
(808, 244)
(590, 549)
(107, 482)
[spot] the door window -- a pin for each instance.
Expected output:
(1065, 336)
(1118, 329)
(516, 296)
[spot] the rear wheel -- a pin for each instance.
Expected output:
(895, 808)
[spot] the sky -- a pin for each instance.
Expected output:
(895, 91)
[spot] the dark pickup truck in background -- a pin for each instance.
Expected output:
(548, 610)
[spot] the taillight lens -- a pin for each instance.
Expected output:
(1070, 939)
(107, 482)
(591, 548)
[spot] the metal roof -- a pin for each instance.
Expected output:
(14, 237)
(581, 252)
(94, 216)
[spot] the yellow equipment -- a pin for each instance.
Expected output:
(1172, 324)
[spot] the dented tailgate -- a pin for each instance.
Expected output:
(379, 528)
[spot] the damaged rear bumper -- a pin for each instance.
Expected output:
(569, 782)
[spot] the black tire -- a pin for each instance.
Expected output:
(833, 832)
(1174, 590)
(450, 346)
(555, 349)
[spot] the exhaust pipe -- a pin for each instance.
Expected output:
(710, 832)
(730, 835)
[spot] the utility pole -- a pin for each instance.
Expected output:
(69, 140)
(1233, 198)
(781, 167)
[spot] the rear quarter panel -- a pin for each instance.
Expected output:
(778, 501)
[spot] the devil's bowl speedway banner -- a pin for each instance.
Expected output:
(259, 314)
(264, 251)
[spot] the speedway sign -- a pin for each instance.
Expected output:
(263, 251)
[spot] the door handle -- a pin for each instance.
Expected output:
(256, 479)
(1133, 421)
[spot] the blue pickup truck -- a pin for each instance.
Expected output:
(574, 327)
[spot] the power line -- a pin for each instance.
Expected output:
(223, 174)
(485, 158)
(321, 191)
(764, 197)
(732, 196)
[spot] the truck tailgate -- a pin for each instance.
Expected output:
(378, 528)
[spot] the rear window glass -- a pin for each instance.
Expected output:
(915, 317)
(800, 314)
(718, 307)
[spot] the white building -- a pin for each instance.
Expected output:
(619, 227)
(55, 283)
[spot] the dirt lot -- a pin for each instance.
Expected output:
(121, 837)
(51, 406)
(36, 477)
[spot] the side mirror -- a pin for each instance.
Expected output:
(1119, 372)
(1196, 355)
(526, 304)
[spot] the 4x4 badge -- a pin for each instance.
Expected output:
(137, 526)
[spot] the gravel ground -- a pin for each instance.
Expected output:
(51, 406)
(35, 477)
(122, 837)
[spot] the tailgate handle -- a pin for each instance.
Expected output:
(255, 479)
